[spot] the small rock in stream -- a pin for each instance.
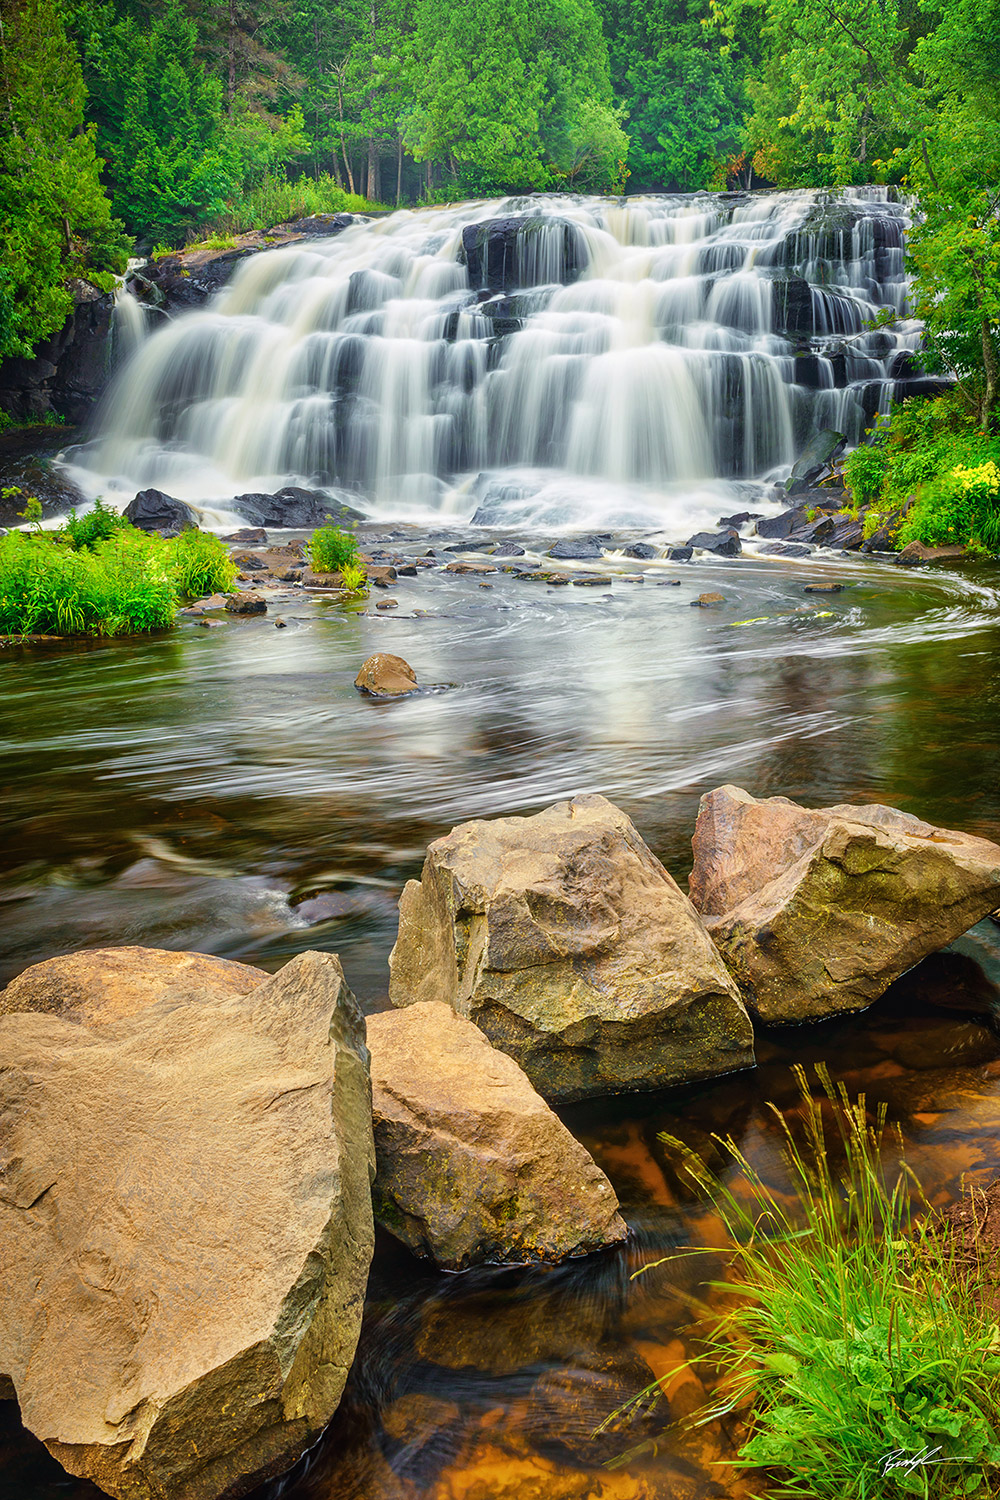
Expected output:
(246, 604)
(386, 676)
(705, 601)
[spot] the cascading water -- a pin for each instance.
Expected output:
(548, 359)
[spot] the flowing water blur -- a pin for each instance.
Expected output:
(228, 790)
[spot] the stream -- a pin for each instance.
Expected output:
(463, 376)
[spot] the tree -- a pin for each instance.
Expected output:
(55, 219)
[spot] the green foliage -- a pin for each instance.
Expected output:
(120, 586)
(865, 471)
(55, 220)
(331, 550)
(96, 526)
(353, 578)
(200, 564)
(276, 200)
(851, 1340)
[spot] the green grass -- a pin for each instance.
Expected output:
(277, 201)
(103, 576)
(331, 550)
(851, 1343)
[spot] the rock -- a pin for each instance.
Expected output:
(578, 549)
(508, 254)
(152, 510)
(313, 580)
(293, 506)
(186, 1219)
(507, 549)
(922, 553)
(407, 570)
(847, 533)
(386, 676)
(679, 554)
(884, 538)
(815, 533)
(785, 549)
(779, 527)
(725, 543)
(247, 603)
(99, 985)
(32, 476)
(705, 601)
(642, 550)
(564, 939)
(824, 588)
(814, 459)
(462, 567)
(249, 562)
(473, 1167)
(247, 535)
(387, 604)
(740, 519)
(818, 911)
(68, 371)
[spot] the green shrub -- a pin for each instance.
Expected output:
(96, 526)
(200, 564)
(119, 586)
(852, 1342)
(353, 577)
(331, 550)
(865, 471)
(962, 505)
(276, 200)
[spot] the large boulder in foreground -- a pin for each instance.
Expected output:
(564, 939)
(186, 1224)
(817, 911)
(473, 1167)
(99, 985)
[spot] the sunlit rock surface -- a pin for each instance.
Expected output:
(818, 910)
(186, 1218)
(565, 940)
(473, 1166)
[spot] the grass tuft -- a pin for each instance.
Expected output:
(852, 1344)
(331, 550)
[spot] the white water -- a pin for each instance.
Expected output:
(639, 366)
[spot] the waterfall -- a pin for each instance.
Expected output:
(524, 357)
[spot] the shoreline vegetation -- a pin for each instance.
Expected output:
(853, 1336)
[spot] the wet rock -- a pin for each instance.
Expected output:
(313, 580)
(920, 552)
(152, 510)
(247, 603)
(779, 527)
(589, 580)
(249, 562)
(186, 1220)
(33, 477)
(247, 535)
(668, 583)
(847, 534)
(823, 588)
(741, 519)
(386, 676)
(578, 1413)
(679, 554)
(578, 549)
(785, 549)
(99, 985)
(642, 550)
(815, 458)
(474, 568)
(885, 537)
(473, 1167)
(724, 543)
(68, 371)
(509, 254)
(817, 911)
(815, 533)
(564, 939)
(293, 506)
(705, 601)
(507, 549)
(387, 604)
(407, 570)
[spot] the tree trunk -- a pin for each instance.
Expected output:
(231, 82)
(992, 369)
(373, 191)
(399, 169)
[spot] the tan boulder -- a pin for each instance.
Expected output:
(563, 938)
(817, 911)
(100, 985)
(386, 676)
(186, 1224)
(473, 1167)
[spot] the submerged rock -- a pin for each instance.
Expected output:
(186, 1217)
(566, 941)
(386, 676)
(817, 911)
(473, 1167)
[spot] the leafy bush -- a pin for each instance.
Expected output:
(353, 577)
(853, 1344)
(96, 526)
(276, 200)
(865, 472)
(119, 586)
(200, 564)
(331, 549)
(962, 505)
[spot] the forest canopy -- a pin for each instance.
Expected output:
(128, 122)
